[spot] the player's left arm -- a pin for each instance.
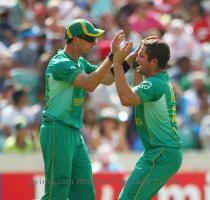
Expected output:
(108, 79)
(118, 38)
(127, 95)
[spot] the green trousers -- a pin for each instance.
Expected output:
(153, 169)
(68, 171)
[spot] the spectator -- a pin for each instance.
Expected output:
(125, 9)
(141, 22)
(5, 67)
(205, 132)
(181, 72)
(26, 48)
(203, 109)
(101, 8)
(129, 34)
(181, 41)
(41, 43)
(8, 30)
(200, 23)
(109, 132)
(191, 95)
(184, 67)
(106, 160)
(89, 120)
(197, 115)
(17, 108)
(20, 142)
(6, 94)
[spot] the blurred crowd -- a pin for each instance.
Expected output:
(31, 31)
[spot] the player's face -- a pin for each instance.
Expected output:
(85, 46)
(142, 60)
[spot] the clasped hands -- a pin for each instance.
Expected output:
(124, 53)
(121, 52)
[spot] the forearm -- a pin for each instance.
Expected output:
(123, 89)
(127, 96)
(93, 79)
(108, 79)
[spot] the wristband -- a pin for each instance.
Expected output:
(125, 65)
(111, 56)
(135, 65)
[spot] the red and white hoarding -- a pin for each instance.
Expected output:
(183, 186)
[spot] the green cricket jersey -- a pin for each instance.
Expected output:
(63, 101)
(155, 116)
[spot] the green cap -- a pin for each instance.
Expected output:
(82, 27)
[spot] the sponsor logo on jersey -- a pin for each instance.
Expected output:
(145, 85)
(78, 101)
(138, 121)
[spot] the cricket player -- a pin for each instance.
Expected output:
(155, 118)
(67, 165)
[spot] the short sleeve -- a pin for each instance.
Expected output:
(66, 71)
(87, 66)
(149, 90)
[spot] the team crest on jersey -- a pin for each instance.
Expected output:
(145, 85)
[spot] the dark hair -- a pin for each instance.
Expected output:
(68, 40)
(182, 59)
(202, 90)
(17, 95)
(156, 48)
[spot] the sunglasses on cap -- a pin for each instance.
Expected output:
(87, 38)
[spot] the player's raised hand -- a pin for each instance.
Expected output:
(130, 59)
(122, 53)
(132, 56)
(118, 38)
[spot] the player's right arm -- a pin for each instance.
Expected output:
(90, 81)
(102, 74)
